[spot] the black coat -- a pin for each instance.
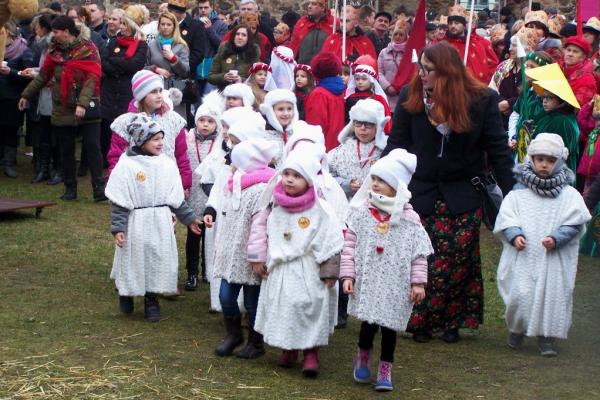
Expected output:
(194, 34)
(464, 155)
(12, 85)
(116, 77)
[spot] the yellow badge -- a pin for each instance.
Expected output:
(229, 61)
(303, 222)
(287, 235)
(184, 32)
(140, 176)
(117, 50)
(383, 228)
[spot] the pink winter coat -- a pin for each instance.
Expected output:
(388, 62)
(118, 145)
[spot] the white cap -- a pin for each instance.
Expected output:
(306, 163)
(248, 125)
(282, 66)
(548, 144)
(396, 168)
(240, 90)
(305, 132)
(367, 110)
(211, 107)
(271, 99)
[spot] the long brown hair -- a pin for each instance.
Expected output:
(454, 91)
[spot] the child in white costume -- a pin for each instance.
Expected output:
(384, 261)
(238, 95)
(201, 142)
(361, 143)
(248, 179)
(280, 111)
(300, 239)
(540, 223)
(144, 189)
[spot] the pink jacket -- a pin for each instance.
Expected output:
(418, 267)
(118, 145)
(257, 240)
(388, 62)
(586, 122)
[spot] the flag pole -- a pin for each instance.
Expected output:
(469, 29)
(344, 16)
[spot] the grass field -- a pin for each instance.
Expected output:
(61, 335)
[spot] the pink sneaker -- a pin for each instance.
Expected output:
(288, 358)
(310, 368)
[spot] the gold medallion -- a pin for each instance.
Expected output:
(184, 32)
(140, 176)
(229, 61)
(287, 235)
(117, 50)
(382, 228)
(303, 222)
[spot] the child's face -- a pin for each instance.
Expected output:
(234, 141)
(224, 131)
(260, 77)
(530, 64)
(153, 100)
(206, 126)
(345, 78)
(544, 165)
(364, 131)
(294, 184)
(362, 83)
(233, 102)
(284, 112)
(154, 145)
(380, 186)
(301, 79)
(550, 102)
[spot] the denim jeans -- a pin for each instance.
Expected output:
(228, 295)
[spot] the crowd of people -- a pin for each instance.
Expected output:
(312, 185)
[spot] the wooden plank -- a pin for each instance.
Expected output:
(10, 204)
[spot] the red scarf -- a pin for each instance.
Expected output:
(130, 43)
(83, 64)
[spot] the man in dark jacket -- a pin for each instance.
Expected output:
(311, 31)
(215, 30)
(194, 34)
(380, 35)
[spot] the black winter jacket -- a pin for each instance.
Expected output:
(194, 34)
(445, 166)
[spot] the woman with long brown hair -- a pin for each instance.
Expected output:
(451, 122)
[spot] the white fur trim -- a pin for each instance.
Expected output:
(271, 99)
(240, 90)
(367, 110)
(548, 144)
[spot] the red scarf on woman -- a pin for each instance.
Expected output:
(81, 65)
(130, 43)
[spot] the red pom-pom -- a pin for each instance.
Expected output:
(379, 249)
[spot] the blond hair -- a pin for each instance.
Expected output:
(177, 39)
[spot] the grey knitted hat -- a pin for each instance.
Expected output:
(141, 129)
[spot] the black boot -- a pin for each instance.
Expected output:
(56, 179)
(10, 161)
(151, 307)
(192, 282)
(98, 192)
(233, 326)
(342, 309)
(43, 157)
(126, 304)
(255, 346)
(70, 193)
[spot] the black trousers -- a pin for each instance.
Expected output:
(193, 245)
(90, 134)
(388, 340)
(105, 136)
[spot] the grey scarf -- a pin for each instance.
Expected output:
(545, 187)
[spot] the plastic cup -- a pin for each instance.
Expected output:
(5, 63)
(234, 71)
(166, 47)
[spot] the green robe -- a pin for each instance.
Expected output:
(564, 125)
(529, 107)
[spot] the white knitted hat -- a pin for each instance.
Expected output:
(367, 110)
(271, 99)
(396, 168)
(144, 82)
(211, 107)
(304, 132)
(240, 90)
(548, 144)
(248, 125)
(306, 163)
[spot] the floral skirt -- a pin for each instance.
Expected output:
(454, 292)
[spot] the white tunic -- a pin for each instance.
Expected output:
(296, 310)
(536, 284)
(277, 138)
(147, 186)
(344, 162)
(382, 287)
(230, 262)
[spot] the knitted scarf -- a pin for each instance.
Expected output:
(15, 49)
(130, 44)
(262, 175)
(293, 204)
(334, 84)
(545, 187)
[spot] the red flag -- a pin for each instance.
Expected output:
(416, 41)
(578, 19)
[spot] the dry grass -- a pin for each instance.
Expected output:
(61, 335)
